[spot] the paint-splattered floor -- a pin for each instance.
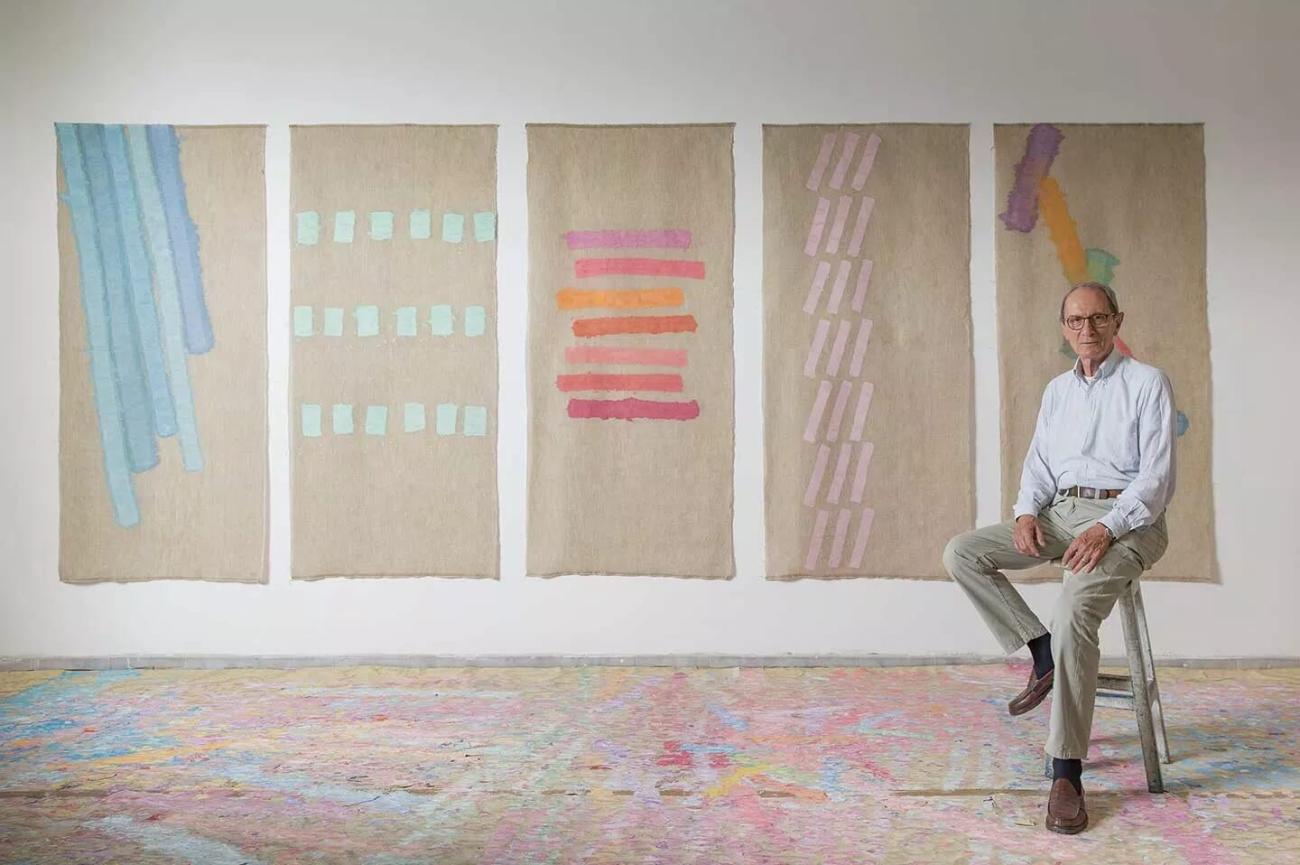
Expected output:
(386, 765)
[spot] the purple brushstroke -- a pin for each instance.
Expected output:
(1040, 149)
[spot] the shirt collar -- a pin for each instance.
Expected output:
(1107, 366)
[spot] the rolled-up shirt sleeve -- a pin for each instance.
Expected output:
(1146, 498)
(1037, 483)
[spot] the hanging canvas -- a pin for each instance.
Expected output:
(1122, 205)
(162, 352)
(867, 348)
(630, 350)
(394, 351)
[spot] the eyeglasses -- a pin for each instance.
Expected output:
(1099, 320)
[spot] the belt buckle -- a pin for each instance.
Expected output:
(1087, 493)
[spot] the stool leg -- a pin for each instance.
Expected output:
(1149, 666)
(1141, 695)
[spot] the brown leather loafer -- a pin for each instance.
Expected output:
(1065, 811)
(1033, 694)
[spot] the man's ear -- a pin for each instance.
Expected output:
(1119, 320)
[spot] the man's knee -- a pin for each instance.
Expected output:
(1080, 609)
(959, 552)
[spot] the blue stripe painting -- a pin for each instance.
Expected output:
(141, 295)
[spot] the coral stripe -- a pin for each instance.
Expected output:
(574, 298)
(616, 381)
(634, 324)
(632, 408)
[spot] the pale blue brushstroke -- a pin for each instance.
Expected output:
(345, 226)
(169, 302)
(381, 225)
(475, 420)
(376, 420)
(308, 223)
(174, 842)
(413, 417)
(475, 320)
(94, 304)
(140, 281)
(367, 317)
(128, 370)
(166, 150)
(406, 322)
(485, 227)
(726, 717)
(333, 325)
(441, 320)
(453, 227)
(1184, 424)
(342, 417)
(303, 325)
(445, 423)
(421, 225)
(311, 420)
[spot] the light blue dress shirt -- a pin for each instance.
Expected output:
(1114, 431)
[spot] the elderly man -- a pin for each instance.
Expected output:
(1099, 473)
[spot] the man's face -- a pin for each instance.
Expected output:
(1090, 342)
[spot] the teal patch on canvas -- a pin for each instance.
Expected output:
(453, 227)
(485, 227)
(441, 320)
(345, 226)
(413, 417)
(367, 320)
(376, 420)
(302, 321)
(381, 225)
(445, 420)
(475, 320)
(333, 324)
(421, 225)
(311, 420)
(406, 322)
(475, 420)
(309, 228)
(342, 417)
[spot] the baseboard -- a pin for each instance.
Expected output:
(288, 662)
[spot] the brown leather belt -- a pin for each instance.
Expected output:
(1090, 493)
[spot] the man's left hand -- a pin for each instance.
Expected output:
(1086, 550)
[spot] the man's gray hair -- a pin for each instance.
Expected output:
(1104, 289)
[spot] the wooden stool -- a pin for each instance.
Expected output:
(1137, 691)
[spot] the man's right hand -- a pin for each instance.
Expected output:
(1028, 536)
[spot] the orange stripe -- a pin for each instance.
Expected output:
(1065, 234)
(573, 298)
(669, 382)
(634, 324)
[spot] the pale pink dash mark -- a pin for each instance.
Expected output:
(837, 227)
(815, 290)
(860, 290)
(860, 347)
(816, 541)
(846, 157)
(616, 238)
(823, 159)
(837, 350)
(841, 471)
(860, 413)
(815, 479)
(818, 226)
(837, 292)
(815, 415)
(837, 545)
(815, 350)
(860, 542)
(868, 160)
(860, 227)
(837, 413)
(860, 474)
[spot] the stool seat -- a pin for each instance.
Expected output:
(1138, 691)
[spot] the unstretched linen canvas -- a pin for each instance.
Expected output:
(629, 349)
(393, 290)
(1123, 205)
(867, 365)
(162, 352)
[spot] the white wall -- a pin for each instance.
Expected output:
(1234, 66)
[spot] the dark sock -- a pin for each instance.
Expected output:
(1072, 770)
(1041, 648)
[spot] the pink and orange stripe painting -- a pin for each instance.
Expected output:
(623, 298)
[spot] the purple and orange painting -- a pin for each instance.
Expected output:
(649, 303)
(141, 292)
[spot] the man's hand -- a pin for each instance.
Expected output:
(1028, 536)
(1086, 550)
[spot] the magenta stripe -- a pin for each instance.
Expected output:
(837, 413)
(860, 474)
(868, 160)
(815, 350)
(837, 293)
(823, 159)
(860, 347)
(860, 227)
(837, 350)
(816, 541)
(860, 542)
(818, 283)
(818, 225)
(837, 228)
(815, 480)
(841, 469)
(860, 412)
(846, 157)
(818, 409)
(618, 238)
(631, 356)
(837, 545)
(864, 278)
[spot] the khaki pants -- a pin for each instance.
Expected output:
(975, 560)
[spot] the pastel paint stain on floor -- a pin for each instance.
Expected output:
(618, 765)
